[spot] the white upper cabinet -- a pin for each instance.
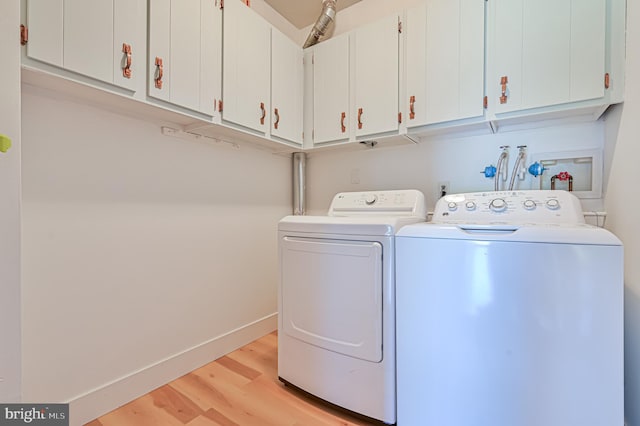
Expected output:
(100, 39)
(185, 53)
(375, 84)
(286, 88)
(546, 52)
(45, 20)
(246, 67)
(88, 27)
(447, 64)
(211, 57)
(331, 111)
(444, 61)
(128, 44)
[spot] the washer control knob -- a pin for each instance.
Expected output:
(470, 206)
(498, 205)
(452, 206)
(553, 204)
(529, 204)
(369, 199)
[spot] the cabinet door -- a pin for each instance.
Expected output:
(184, 49)
(445, 61)
(331, 109)
(246, 67)
(547, 52)
(159, 48)
(128, 28)
(88, 38)
(184, 53)
(45, 22)
(376, 77)
(286, 88)
(210, 57)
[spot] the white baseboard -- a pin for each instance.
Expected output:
(93, 404)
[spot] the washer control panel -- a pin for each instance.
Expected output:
(503, 207)
(408, 202)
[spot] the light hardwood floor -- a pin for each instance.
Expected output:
(241, 388)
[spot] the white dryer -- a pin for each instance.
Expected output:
(336, 325)
(509, 312)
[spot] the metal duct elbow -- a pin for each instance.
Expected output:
(324, 20)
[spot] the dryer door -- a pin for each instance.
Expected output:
(331, 294)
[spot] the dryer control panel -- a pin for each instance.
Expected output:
(407, 202)
(509, 207)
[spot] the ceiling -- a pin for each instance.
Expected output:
(303, 13)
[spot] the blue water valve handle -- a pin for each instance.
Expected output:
(489, 171)
(536, 169)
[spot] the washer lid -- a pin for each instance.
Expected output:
(578, 234)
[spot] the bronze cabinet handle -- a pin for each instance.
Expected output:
(504, 80)
(159, 73)
(264, 113)
(359, 118)
(412, 111)
(126, 70)
(24, 35)
(277, 114)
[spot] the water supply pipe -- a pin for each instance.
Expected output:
(501, 168)
(519, 166)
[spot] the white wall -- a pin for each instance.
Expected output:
(622, 205)
(458, 161)
(10, 204)
(144, 256)
(138, 249)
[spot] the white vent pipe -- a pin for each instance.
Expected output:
(299, 185)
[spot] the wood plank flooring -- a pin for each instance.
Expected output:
(239, 389)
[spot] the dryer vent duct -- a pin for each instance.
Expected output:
(299, 186)
(324, 20)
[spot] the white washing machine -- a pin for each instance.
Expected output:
(336, 325)
(509, 312)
